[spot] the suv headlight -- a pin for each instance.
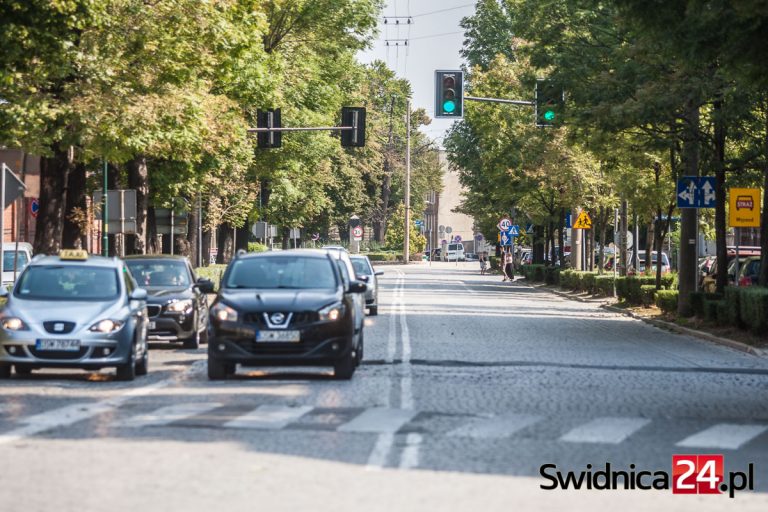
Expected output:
(13, 323)
(224, 313)
(332, 312)
(179, 306)
(106, 326)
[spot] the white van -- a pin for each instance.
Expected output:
(453, 252)
(13, 259)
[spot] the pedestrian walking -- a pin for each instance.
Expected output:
(503, 263)
(509, 269)
(483, 263)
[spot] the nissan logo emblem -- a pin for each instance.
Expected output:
(277, 318)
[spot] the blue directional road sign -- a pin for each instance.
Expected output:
(529, 229)
(514, 230)
(506, 239)
(696, 192)
(568, 221)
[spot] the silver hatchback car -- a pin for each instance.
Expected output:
(74, 310)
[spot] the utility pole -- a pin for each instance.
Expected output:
(407, 237)
(105, 204)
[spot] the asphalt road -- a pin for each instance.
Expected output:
(469, 385)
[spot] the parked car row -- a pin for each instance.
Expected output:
(300, 307)
(748, 269)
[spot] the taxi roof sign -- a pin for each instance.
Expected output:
(73, 254)
(583, 222)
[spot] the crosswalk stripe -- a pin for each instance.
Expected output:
(728, 436)
(169, 414)
(269, 417)
(379, 420)
(606, 430)
(496, 427)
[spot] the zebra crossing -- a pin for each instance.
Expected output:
(605, 430)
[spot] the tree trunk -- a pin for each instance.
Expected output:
(138, 179)
(538, 244)
(622, 259)
(561, 237)
(76, 210)
(763, 278)
(153, 246)
(380, 226)
(54, 171)
(603, 228)
(192, 223)
(688, 267)
(721, 279)
(649, 237)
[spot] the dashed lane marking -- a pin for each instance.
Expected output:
(726, 436)
(607, 430)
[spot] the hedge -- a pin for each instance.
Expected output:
(732, 304)
(647, 294)
(604, 285)
(697, 301)
(552, 275)
(629, 288)
(666, 300)
(494, 262)
(212, 272)
(382, 256)
(753, 308)
(709, 309)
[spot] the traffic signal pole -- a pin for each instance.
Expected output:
(499, 100)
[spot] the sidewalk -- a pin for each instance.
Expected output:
(608, 303)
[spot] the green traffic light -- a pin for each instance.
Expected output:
(449, 106)
(549, 115)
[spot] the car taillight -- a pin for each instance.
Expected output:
(745, 281)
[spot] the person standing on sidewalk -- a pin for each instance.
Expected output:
(509, 270)
(503, 264)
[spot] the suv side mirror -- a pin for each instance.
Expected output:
(379, 273)
(204, 285)
(138, 294)
(363, 278)
(357, 287)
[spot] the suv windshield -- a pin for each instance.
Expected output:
(68, 282)
(159, 273)
(281, 272)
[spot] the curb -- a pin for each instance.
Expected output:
(661, 324)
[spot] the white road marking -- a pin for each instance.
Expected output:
(496, 427)
(470, 290)
(380, 453)
(379, 420)
(607, 430)
(392, 338)
(169, 414)
(269, 417)
(727, 436)
(410, 456)
(70, 414)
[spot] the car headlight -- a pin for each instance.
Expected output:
(332, 312)
(106, 326)
(12, 323)
(179, 306)
(224, 313)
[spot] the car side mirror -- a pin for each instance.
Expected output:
(363, 278)
(139, 294)
(204, 285)
(357, 287)
(379, 273)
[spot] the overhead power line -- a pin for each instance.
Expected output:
(443, 10)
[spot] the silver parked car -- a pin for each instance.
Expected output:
(364, 272)
(74, 310)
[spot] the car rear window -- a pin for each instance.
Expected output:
(10, 256)
(160, 273)
(68, 282)
(361, 267)
(273, 272)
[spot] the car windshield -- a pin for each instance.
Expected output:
(271, 272)
(68, 282)
(8, 260)
(160, 273)
(361, 266)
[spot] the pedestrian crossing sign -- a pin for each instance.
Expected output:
(583, 222)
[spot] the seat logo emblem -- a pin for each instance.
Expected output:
(58, 327)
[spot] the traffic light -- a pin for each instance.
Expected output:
(549, 103)
(354, 117)
(449, 94)
(269, 119)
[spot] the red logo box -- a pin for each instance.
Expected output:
(697, 474)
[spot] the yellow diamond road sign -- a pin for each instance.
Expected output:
(583, 221)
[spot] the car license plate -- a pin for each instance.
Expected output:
(151, 325)
(278, 336)
(62, 345)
